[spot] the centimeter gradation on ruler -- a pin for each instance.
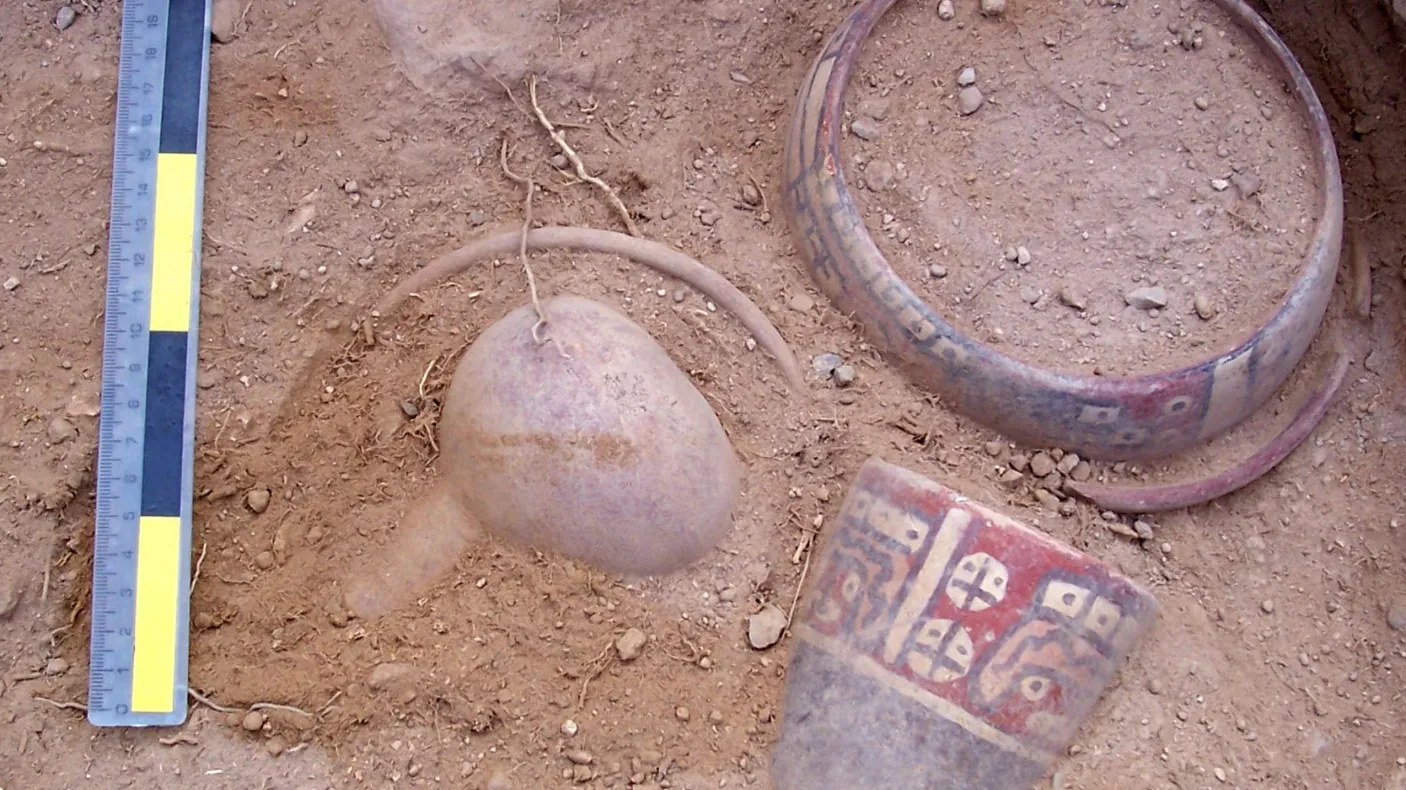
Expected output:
(141, 565)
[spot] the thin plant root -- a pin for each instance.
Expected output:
(527, 267)
(656, 256)
(560, 139)
(1156, 499)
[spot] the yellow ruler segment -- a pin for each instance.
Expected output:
(174, 241)
(154, 633)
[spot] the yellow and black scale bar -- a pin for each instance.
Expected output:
(158, 627)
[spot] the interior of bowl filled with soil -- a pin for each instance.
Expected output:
(1101, 188)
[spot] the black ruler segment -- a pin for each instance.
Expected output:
(165, 435)
(185, 56)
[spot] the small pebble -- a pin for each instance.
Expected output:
(1070, 297)
(12, 283)
(61, 430)
(801, 303)
(630, 644)
(878, 109)
(682, 714)
(351, 187)
(825, 364)
(1202, 103)
(865, 130)
(1046, 499)
(845, 375)
(994, 449)
(10, 593)
(258, 499)
(56, 666)
(751, 195)
(388, 674)
(1147, 298)
(1022, 256)
(966, 77)
(1203, 307)
(765, 628)
(945, 10)
(253, 721)
(969, 100)
(65, 17)
(1268, 606)
(993, 7)
(569, 728)
(1396, 616)
(580, 757)
(1220, 184)
(264, 560)
(1041, 464)
(880, 176)
(499, 781)
(937, 272)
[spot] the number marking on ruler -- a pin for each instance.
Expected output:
(141, 562)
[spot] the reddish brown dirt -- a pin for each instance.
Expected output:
(1273, 665)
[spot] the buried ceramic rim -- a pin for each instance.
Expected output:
(1133, 418)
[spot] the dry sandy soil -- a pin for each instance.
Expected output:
(1273, 664)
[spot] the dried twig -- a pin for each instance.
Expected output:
(598, 665)
(560, 139)
(527, 267)
(195, 577)
(501, 84)
(207, 702)
(531, 185)
(503, 161)
(800, 585)
(62, 704)
(176, 740)
(323, 710)
(284, 708)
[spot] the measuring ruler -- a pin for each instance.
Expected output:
(141, 546)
